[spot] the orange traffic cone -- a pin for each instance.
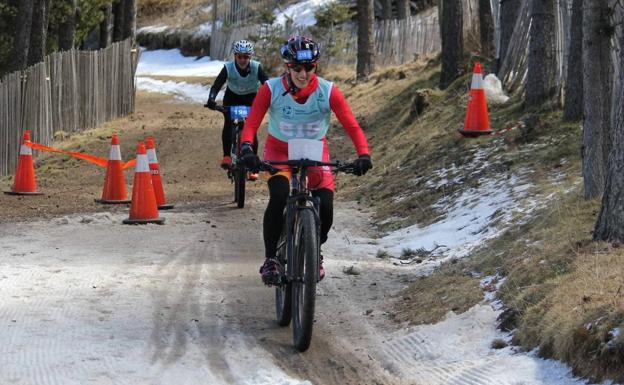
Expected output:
(114, 190)
(24, 182)
(156, 179)
(477, 121)
(143, 208)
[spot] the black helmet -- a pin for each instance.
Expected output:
(300, 50)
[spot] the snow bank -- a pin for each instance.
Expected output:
(170, 62)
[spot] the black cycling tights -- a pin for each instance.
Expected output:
(279, 188)
(226, 137)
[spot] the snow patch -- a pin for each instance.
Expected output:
(459, 348)
(171, 62)
(193, 93)
(302, 13)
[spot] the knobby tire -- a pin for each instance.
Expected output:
(283, 292)
(239, 186)
(304, 291)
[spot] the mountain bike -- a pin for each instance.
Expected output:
(237, 172)
(298, 250)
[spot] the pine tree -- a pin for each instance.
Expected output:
(451, 31)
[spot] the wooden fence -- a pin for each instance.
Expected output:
(513, 67)
(396, 41)
(69, 91)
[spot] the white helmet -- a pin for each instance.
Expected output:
(243, 47)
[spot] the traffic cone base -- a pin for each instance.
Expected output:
(143, 208)
(474, 134)
(22, 193)
(111, 202)
(165, 207)
(477, 121)
(158, 221)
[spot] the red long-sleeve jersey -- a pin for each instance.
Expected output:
(337, 103)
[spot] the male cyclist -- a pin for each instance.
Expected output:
(300, 97)
(243, 77)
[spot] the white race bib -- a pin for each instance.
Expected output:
(310, 149)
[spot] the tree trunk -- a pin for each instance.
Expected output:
(386, 9)
(541, 62)
(451, 31)
(610, 223)
(21, 41)
(403, 9)
(130, 11)
(39, 32)
(486, 29)
(106, 26)
(118, 24)
(366, 42)
(573, 103)
(67, 29)
(598, 88)
(508, 15)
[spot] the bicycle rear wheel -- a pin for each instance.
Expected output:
(304, 289)
(283, 292)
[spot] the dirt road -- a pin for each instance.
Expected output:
(88, 300)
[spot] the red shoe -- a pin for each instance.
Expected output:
(226, 162)
(252, 176)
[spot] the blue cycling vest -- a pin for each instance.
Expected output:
(291, 120)
(243, 85)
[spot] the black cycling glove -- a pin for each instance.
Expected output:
(362, 165)
(211, 104)
(249, 158)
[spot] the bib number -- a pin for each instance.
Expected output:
(239, 112)
(300, 130)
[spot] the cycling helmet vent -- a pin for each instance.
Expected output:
(243, 47)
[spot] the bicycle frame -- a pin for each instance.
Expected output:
(236, 129)
(236, 172)
(299, 249)
(300, 198)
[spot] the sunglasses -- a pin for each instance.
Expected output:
(242, 56)
(298, 67)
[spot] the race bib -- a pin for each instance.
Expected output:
(310, 149)
(239, 112)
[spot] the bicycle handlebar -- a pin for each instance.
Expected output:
(338, 166)
(218, 107)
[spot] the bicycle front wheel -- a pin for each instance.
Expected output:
(240, 175)
(304, 286)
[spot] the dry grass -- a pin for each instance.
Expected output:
(574, 321)
(182, 13)
(429, 299)
(557, 280)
